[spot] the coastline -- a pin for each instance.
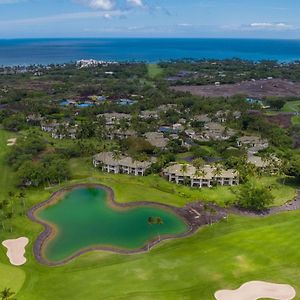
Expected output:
(108, 49)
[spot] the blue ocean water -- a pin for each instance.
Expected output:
(47, 51)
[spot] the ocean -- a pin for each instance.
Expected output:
(47, 51)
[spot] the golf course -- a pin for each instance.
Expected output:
(220, 256)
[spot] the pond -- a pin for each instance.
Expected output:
(87, 218)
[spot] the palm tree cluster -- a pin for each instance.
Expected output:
(155, 221)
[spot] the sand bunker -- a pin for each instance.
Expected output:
(16, 250)
(254, 290)
(11, 142)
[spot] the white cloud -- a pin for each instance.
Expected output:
(99, 4)
(271, 26)
(184, 24)
(136, 2)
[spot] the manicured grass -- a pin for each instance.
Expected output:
(223, 255)
(282, 190)
(296, 120)
(7, 177)
(154, 70)
(291, 106)
(10, 276)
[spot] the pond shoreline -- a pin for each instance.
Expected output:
(189, 214)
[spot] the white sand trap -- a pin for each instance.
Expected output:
(16, 250)
(254, 290)
(11, 142)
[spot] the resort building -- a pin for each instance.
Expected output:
(253, 143)
(50, 127)
(166, 107)
(120, 164)
(213, 131)
(114, 118)
(157, 139)
(34, 119)
(148, 114)
(121, 134)
(202, 118)
(65, 132)
(271, 164)
(207, 176)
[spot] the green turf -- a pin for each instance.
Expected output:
(296, 120)
(7, 177)
(291, 106)
(12, 277)
(154, 70)
(223, 255)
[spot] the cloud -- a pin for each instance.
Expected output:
(136, 3)
(65, 17)
(271, 26)
(109, 4)
(184, 24)
(99, 4)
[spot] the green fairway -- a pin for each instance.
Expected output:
(7, 179)
(224, 255)
(291, 106)
(11, 276)
(154, 70)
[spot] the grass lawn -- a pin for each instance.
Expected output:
(223, 255)
(7, 175)
(296, 120)
(291, 106)
(10, 276)
(154, 70)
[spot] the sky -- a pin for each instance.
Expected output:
(150, 18)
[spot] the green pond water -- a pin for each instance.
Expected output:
(85, 218)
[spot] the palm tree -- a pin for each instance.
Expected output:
(201, 173)
(116, 155)
(6, 294)
(183, 170)
(198, 163)
(217, 172)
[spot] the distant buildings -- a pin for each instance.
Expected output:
(271, 164)
(253, 143)
(149, 114)
(121, 134)
(157, 139)
(90, 63)
(60, 131)
(126, 102)
(114, 118)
